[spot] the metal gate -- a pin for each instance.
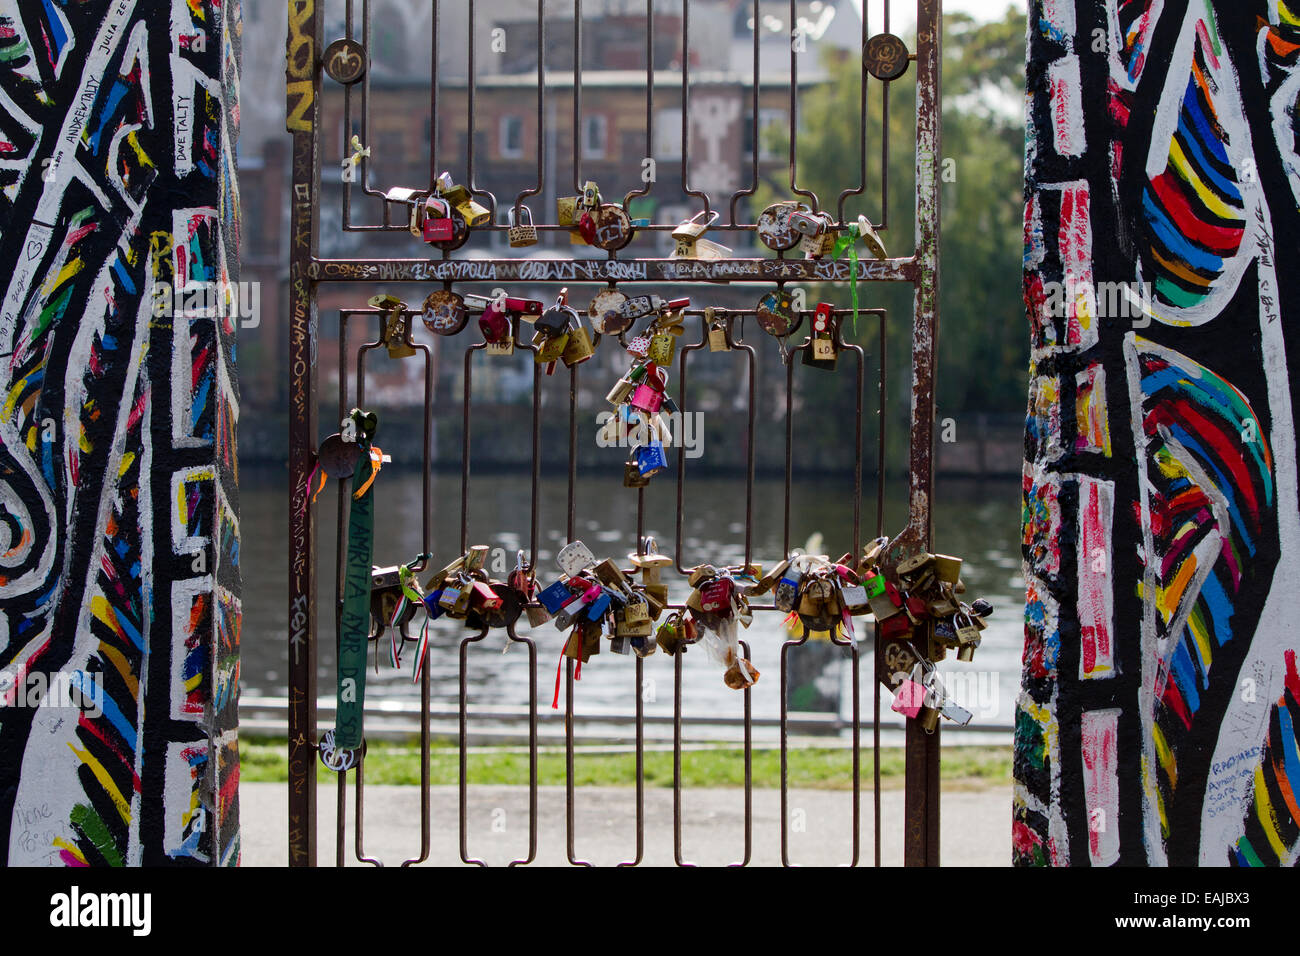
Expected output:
(343, 71)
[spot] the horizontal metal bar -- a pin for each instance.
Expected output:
(610, 270)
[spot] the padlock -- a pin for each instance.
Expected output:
(606, 312)
(483, 598)
(444, 312)
(476, 557)
(566, 210)
(775, 313)
(396, 331)
(947, 568)
(823, 336)
(560, 317)
(590, 194)
(523, 232)
(620, 393)
(637, 612)
(909, 696)
(632, 477)
(579, 347)
(587, 227)
(913, 564)
(495, 323)
(553, 597)
(807, 224)
(820, 243)
(687, 234)
(462, 199)
(549, 347)
(651, 459)
(774, 228)
(787, 590)
(649, 395)
(663, 347)
(438, 224)
(717, 331)
(854, 597)
(715, 597)
(574, 557)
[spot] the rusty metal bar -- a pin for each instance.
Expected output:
(302, 85)
(921, 844)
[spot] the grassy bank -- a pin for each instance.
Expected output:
(264, 761)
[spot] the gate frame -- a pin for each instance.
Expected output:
(307, 271)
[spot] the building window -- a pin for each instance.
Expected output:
(594, 132)
(668, 133)
(512, 137)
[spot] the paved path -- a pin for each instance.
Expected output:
(975, 831)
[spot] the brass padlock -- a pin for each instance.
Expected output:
(550, 348)
(566, 208)
(717, 331)
(579, 346)
(663, 348)
(523, 232)
(687, 234)
(632, 477)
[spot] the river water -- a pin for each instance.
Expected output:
(977, 520)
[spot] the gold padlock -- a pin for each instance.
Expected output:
(523, 232)
(579, 347)
(549, 347)
(566, 210)
(663, 348)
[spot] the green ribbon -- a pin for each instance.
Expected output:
(849, 240)
(354, 632)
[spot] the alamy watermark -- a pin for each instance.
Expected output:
(1104, 300)
(684, 430)
(71, 690)
(240, 301)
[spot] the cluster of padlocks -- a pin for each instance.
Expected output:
(445, 215)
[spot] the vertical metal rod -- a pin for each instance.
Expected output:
(749, 769)
(532, 747)
(921, 847)
(785, 747)
(570, 828)
(862, 124)
(640, 761)
(541, 109)
(303, 85)
(340, 820)
(755, 129)
(677, 761)
(464, 744)
(686, 109)
(649, 98)
(880, 531)
(426, 548)
(789, 450)
(433, 94)
(361, 813)
(794, 112)
(577, 95)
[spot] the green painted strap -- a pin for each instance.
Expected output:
(849, 240)
(355, 624)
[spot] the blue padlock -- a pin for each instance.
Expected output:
(597, 608)
(651, 459)
(555, 596)
(432, 606)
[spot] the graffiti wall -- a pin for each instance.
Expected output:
(1160, 698)
(119, 530)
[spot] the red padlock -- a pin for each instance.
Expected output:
(715, 597)
(587, 228)
(494, 323)
(484, 598)
(438, 224)
(822, 320)
(523, 306)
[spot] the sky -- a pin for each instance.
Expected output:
(903, 13)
